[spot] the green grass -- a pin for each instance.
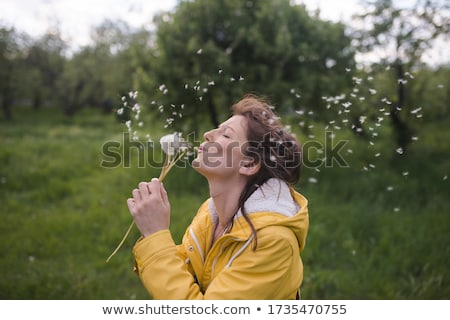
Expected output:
(376, 234)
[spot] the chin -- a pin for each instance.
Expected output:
(195, 163)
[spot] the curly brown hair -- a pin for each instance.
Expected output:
(269, 144)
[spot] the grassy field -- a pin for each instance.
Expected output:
(380, 233)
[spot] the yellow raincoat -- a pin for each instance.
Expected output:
(230, 268)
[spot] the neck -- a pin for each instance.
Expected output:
(226, 196)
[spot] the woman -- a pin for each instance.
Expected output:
(246, 239)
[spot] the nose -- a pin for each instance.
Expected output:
(208, 135)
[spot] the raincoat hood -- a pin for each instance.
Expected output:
(273, 204)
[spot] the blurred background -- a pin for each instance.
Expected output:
(363, 84)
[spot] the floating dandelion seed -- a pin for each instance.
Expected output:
(199, 51)
(399, 150)
(390, 188)
(405, 173)
(416, 110)
(409, 75)
(396, 209)
(444, 178)
(312, 180)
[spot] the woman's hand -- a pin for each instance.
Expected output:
(150, 207)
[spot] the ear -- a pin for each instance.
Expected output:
(249, 167)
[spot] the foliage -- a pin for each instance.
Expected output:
(208, 53)
(400, 36)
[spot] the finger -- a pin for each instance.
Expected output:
(136, 195)
(143, 189)
(131, 204)
(154, 186)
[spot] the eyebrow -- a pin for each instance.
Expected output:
(225, 126)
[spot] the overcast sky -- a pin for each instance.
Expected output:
(75, 18)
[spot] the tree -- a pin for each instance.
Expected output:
(209, 53)
(404, 34)
(11, 44)
(97, 75)
(44, 63)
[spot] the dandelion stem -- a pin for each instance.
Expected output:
(168, 164)
(122, 241)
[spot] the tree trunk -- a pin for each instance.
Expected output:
(6, 107)
(401, 129)
(212, 112)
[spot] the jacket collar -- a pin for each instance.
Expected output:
(273, 196)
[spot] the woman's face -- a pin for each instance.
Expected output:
(221, 153)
